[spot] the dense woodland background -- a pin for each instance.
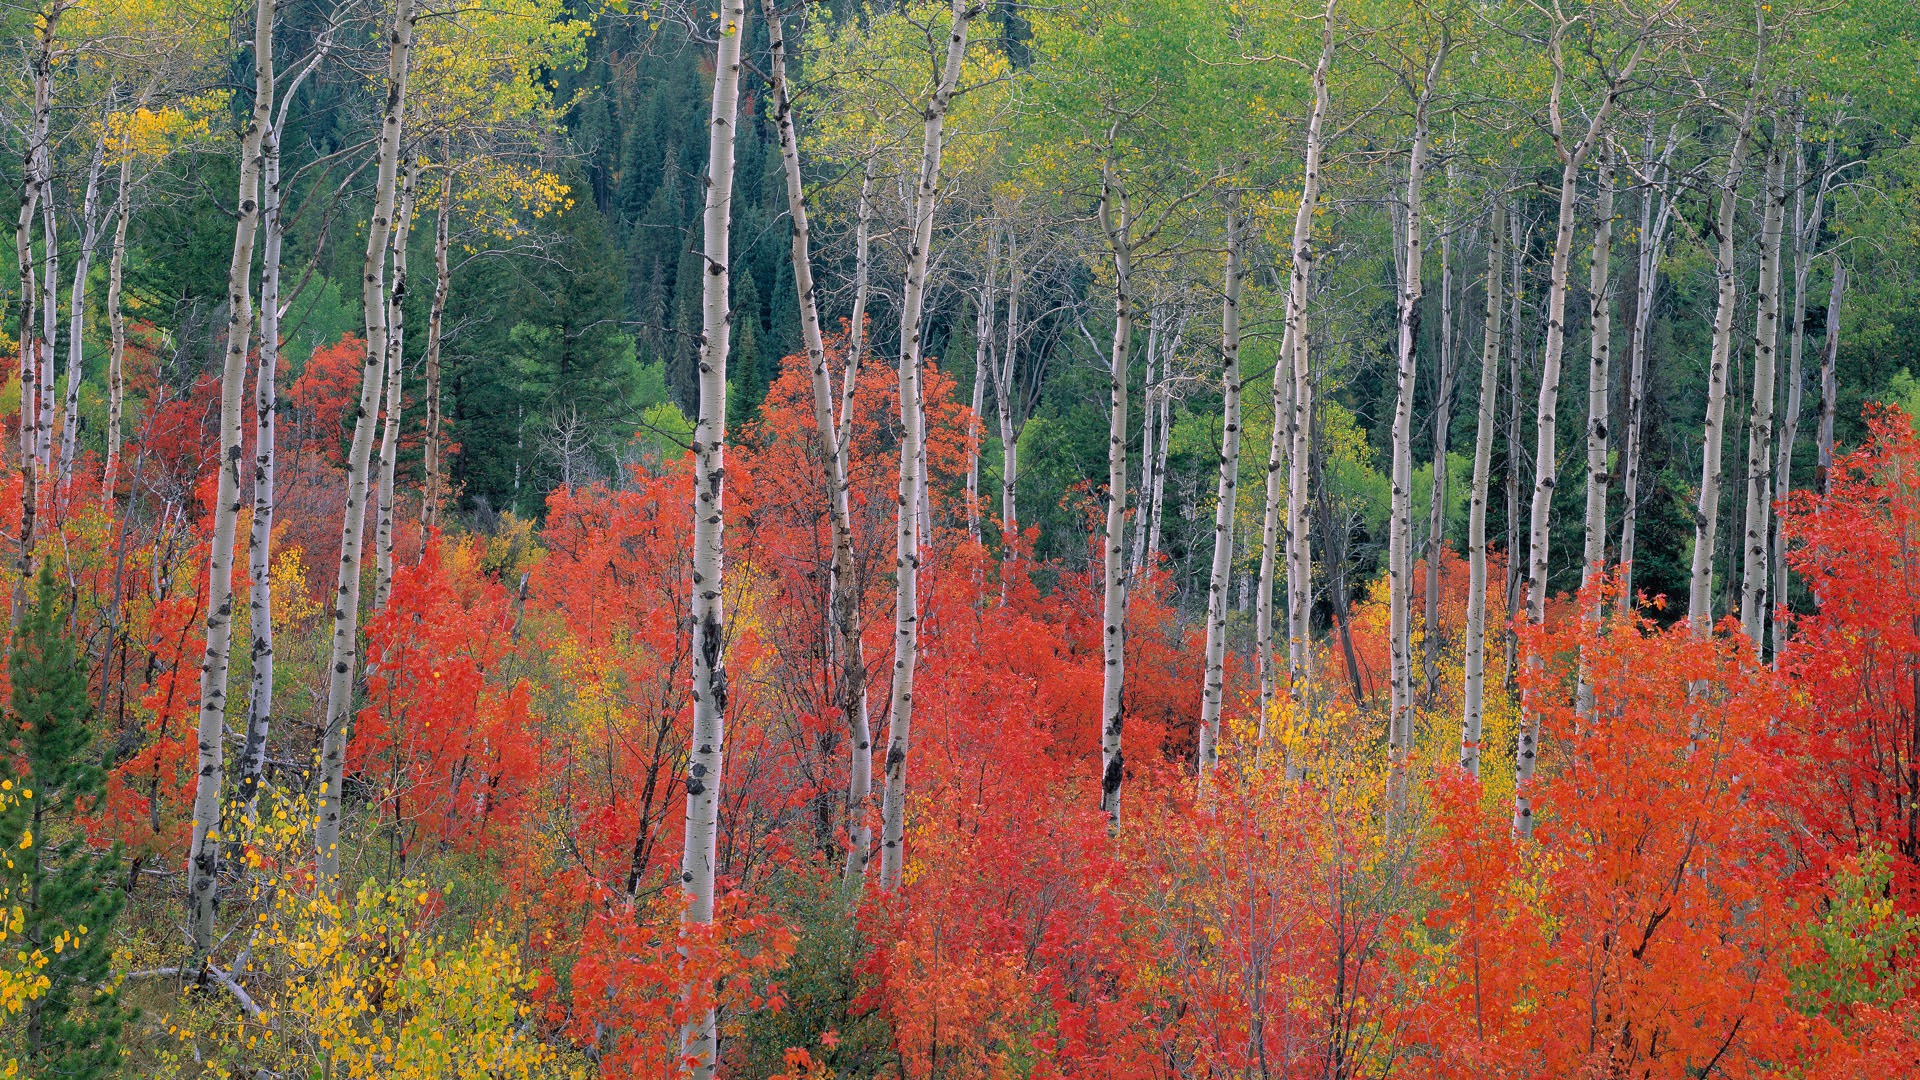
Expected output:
(1249, 551)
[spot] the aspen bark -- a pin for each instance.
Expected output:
(1599, 374)
(1755, 591)
(857, 328)
(1473, 676)
(1161, 443)
(1829, 381)
(35, 182)
(1572, 159)
(843, 587)
(1005, 408)
(396, 399)
(906, 619)
(117, 327)
(1225, 501)
(1116, 222)
(49, 322)
(346, 594)
(203, 859)
(1652, 242)
(1279, 447)
(984, 324)
(699, 1038)
(1707, 517)
(1806, 232)
(1400, 513)
(1437, 491)
(1299, 358)
(90, 221)
(431, 487)
(1156, 323)
(1516, 348)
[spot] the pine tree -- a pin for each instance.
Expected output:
(68, 881)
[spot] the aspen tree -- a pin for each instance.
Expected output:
(1572, 159)
(1754, 590)
(906, 619)
(35, 186)
(1279, 445)
(699, 1038)
(984, 322)
(90, 222)
(1213, 689)
(843, 589)
(1300, 423)
(1437, 490)
(1829, 381)
(49, 318)
(117, 331)
(1005, 408)
(1707, 516)
(203, 857)
(431, 464)
(1156, 323)
(1116, 222)
(1473, 677)
(1651, 243)
(1599, 373)
(396, 399)
(346, 593)
(1400, 513)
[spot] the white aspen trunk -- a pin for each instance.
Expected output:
(117, 327)
(396, 399)
(1004, 404)
(1272, 542)
(1546, 444)
(1400, 513)
(1473, 676)
(90, 221)
(906, 618)
(1437, 492)
(431, 488)
(1156, 324)
(843, 588)
(203, 859)
(699, 1038)
(346, 594)
(1226, 498)
(1652, 241)
(1599, 374)
(857, 329)
(49, 324)
(34, 181)
(1806, 232)
(1829, 381)
(1755, 591)
(1296, 339)
(1516, 347)
(1161, 444)
(1707, 517)
(984, 324)
(1117, 223)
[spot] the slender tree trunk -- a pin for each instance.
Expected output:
(843, 586)
(117, 327)
(1473, 677)
(1116, 222)
(1272, 542)
(1652, 241)
(1707, 518)
(1516, 355)
(1005, 407)
(1400, 520)
(1599, 375)
(431, 491)
(49, 322)
(857, 328)
(699, 1039)
(1156, 324)
(1546, 439)
(1161, 443)
(346, 594)
(34, 184)
(1755, 591)
(396, 398)
(203, 860)
(1829, 381)
(983, 369)
(1806, 233)
(1437, 492)
(906, 620)
(1226, 499)
(90, 221)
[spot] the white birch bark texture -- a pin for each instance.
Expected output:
(1226, 497)
(1437, 489)
(1707, 512)
(90, 221)
(49, 318)
(1652, 242)
(117, 330)
(906, 556)
(431, 487)
(346, 592)
(396, 398)
(857, 326)
(1572, 159)
(1116, 222)
(1156, 324)
(1517, 237)
(1272, 542)
(699, 1039)
(1299, 358)
(1400, 512)
(203, 857)
(984, 323)
(1593, 554)
(1829, 378)
(843, 599)
(34, 185)
(1755, 591)
(1473, 676)
(1005, 407)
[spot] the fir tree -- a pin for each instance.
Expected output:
(65, 877)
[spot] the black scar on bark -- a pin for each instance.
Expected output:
(1110, 782)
